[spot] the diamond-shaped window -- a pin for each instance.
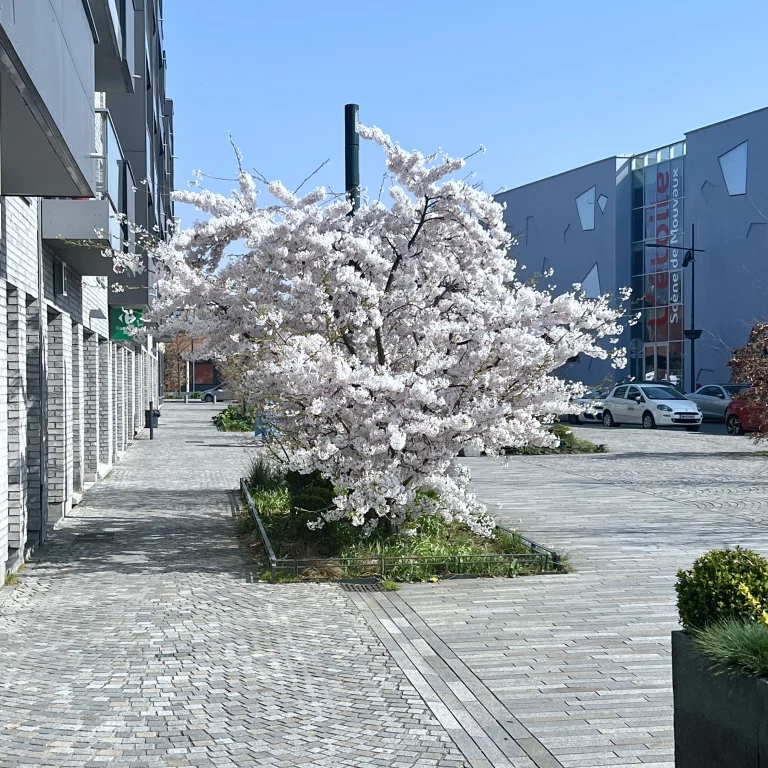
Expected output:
(602, 201)
(585, 205)
(733, 164)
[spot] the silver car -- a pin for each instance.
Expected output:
(220, 393)
(652, 405)
(714, 399)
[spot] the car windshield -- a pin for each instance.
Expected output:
(593, 396)
(662, 393)
(734, 389)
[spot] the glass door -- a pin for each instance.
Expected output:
(656, 362)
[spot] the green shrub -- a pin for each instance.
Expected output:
(235, 418)
(708, 592)
(735, 643)
(569, 443)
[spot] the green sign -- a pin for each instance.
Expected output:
(122, 320)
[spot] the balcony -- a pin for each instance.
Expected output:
(136, 291)
(80, 230)
(46, 106)
(114, 21)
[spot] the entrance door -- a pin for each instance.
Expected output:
(656, 362)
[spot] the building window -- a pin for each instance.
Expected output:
(656, 261)
(585, 205)
(733, 165)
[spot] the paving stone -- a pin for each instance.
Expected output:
(154, 647)
(582, 661)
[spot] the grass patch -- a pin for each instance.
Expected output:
(736, 644)
(279, 578)
(389, 585)
(235, 418)
(430, 548)
(11, 579)
(569, 443)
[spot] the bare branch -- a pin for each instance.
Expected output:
(319, 167)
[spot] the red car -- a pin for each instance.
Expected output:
(741, 417)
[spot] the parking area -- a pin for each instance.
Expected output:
(708, 428)
(581, 662)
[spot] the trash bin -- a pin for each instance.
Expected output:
(151, 418)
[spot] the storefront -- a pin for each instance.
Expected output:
(657, 262)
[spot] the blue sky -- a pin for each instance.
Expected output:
(544, 86)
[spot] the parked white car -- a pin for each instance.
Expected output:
(652, 405)
(714, 399)
(591, 406)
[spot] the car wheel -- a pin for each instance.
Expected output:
(208, 398)
(573, 419)
(608, 419)
(733, 425)
(648, 421)
(696, 428)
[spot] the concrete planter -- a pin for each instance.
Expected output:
(721, 718)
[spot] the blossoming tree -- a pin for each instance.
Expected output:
(750, 364)
(384, 342)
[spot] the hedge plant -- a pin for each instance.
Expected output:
(709, 591)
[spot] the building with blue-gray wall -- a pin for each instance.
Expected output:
(631, 221)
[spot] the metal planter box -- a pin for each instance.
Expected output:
(721, 717)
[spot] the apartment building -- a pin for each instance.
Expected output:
(86, 144)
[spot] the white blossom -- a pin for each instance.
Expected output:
(381, 343)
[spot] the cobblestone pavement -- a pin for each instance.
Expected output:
(577, 667)
(138, 638)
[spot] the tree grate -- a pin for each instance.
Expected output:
(95, 536)
(352, 587)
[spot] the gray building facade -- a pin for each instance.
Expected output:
(74, 386)
(630, 221)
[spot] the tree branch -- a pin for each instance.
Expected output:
(382, 359)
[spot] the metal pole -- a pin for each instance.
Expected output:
(352, 155)
(693, 308)
(151, 420)
(193, 365)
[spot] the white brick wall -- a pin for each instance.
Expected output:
(4, 517)
(37, 503)
(17, 418)
(18, 249)
(106, 415)
(91, 410)
(78, 408)
(60, 415)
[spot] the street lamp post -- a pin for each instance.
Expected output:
(693, 333)
(352, 155)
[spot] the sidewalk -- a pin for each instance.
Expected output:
(138, 638)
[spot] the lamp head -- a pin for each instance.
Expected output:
(688, 258)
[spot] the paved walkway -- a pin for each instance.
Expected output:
(140, 640)
(581, 662)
